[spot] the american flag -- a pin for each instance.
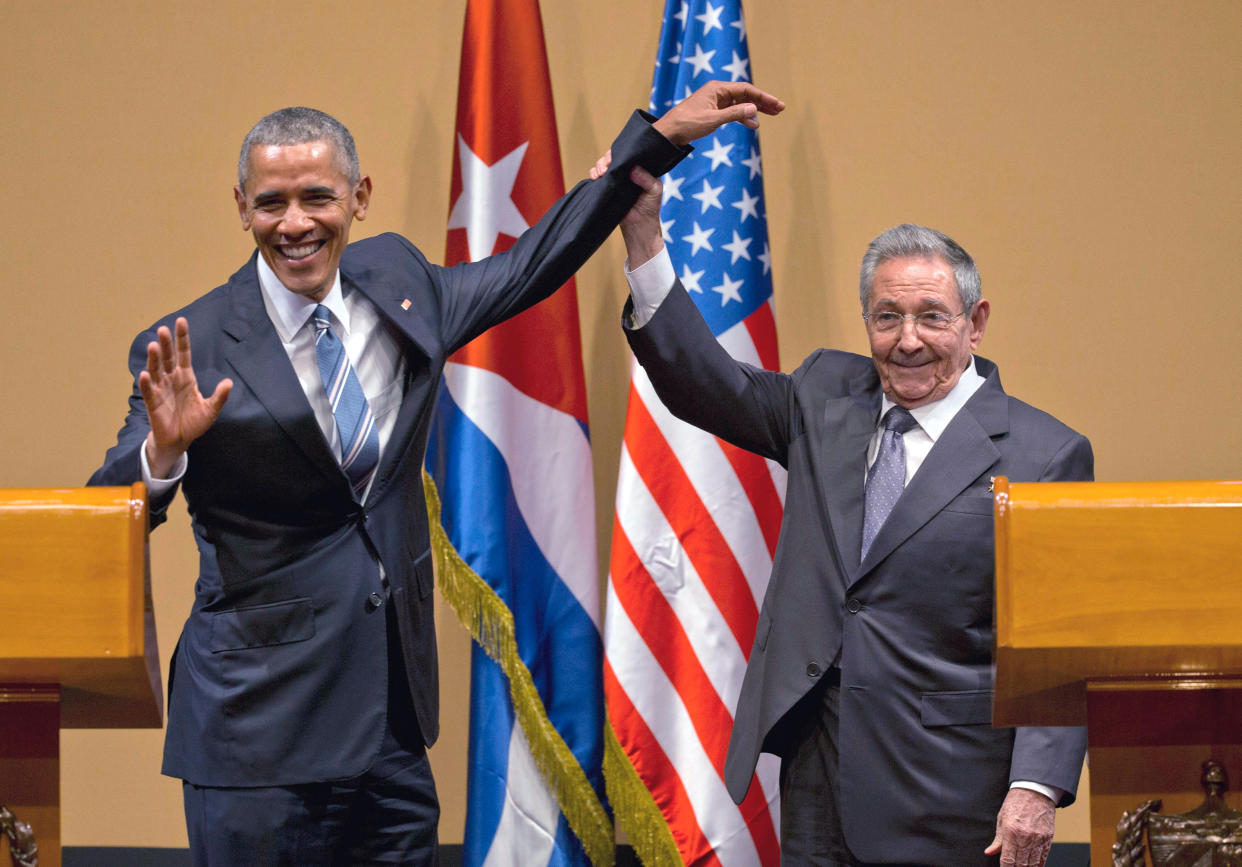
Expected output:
(510, 455)
(697, 519)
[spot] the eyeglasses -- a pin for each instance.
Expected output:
(927, 321)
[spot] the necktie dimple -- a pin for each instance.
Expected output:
(887, 477)
(354, 421)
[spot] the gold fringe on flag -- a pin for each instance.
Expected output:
(490, 623)
(635, 809)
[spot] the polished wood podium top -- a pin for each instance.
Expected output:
(1133, 582)
(75, 605)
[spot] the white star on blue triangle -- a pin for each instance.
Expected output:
(696, 35)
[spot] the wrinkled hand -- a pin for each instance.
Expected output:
(712, 106)
(1024, 829)
(641, 226)
(177, 412)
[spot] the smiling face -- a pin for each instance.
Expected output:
(299, 203)
(917, 367)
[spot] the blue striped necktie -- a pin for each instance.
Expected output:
(354, 421)
(887, 478)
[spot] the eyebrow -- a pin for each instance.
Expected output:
(934, 302)
(274, 196)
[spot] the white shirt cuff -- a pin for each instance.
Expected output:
(159, 487)
(1048, 791)
(650, 284)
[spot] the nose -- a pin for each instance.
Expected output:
(909, 339)
(295, 221)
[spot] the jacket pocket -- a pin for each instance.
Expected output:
(262, 625)
(970, 707)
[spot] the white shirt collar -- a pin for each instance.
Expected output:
(289, 310)
(934, 417)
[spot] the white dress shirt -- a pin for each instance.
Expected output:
(650, 284)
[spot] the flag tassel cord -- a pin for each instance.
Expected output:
(636, 810)
(490, 623)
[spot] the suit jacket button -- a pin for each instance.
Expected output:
(853, 606)
(374, 601)
(813, 670)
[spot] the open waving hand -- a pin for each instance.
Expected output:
(178, 413)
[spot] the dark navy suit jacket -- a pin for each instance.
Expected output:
(280, 674)
(922, 771)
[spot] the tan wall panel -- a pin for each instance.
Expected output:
(1086, 153)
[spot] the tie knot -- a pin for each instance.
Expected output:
(899, 419)
(322, 318)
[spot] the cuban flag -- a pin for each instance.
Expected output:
(510, 456)
(697, 519)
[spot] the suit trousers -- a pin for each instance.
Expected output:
(811, 832)
(387, 815)
(810, 821)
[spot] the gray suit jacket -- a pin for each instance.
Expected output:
(922, 771)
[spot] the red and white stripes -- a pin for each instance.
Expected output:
(695, 530)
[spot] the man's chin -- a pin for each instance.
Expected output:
(910, 395)
(301, 282)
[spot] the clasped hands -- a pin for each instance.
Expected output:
(707, 109)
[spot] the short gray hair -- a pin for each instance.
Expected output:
(919, 242)
(298, 125)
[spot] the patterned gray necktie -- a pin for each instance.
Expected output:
(887, 477)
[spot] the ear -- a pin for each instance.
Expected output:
(243, 209)
(362, 197)
(979, 322)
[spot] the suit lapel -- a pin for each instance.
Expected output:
(964, 452)
(386, 294)
(411, 327)
(260, 361)
(848, 425)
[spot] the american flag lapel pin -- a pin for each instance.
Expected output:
(405, 304)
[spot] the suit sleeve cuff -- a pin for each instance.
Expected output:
(640, 143)
(650, 284)
(1047, 791)
(157, 488)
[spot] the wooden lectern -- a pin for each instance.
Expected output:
(77, 637)
(1119, 605)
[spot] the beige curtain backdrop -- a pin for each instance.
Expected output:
(1087, 154)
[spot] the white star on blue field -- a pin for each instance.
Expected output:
(713, 218)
